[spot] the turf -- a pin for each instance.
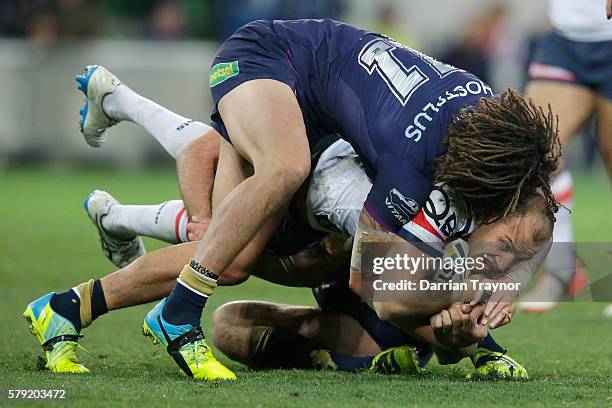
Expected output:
(46, 243)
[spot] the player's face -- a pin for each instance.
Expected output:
(505, 242)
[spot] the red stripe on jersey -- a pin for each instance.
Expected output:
(177, 224)
(422, 222)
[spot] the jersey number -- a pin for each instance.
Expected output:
(377, 55)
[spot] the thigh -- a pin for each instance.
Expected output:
(572, 103)
(335, 332)
(604, 130)
(265, 124)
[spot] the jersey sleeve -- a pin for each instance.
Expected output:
(399, 190)
(441, 218)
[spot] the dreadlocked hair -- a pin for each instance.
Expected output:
(499, 152)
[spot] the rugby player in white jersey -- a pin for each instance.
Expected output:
(334, 200)
(571, 71)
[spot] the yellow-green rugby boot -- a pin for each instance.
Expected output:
(397, 360)
(494, 365)
(56, 334)
(187, 346)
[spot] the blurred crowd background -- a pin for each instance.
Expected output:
(163, 49)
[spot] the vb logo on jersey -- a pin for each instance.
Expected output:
(221, 72)
(402, 208)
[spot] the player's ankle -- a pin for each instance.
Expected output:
(117, 224)
(186, 301)
(82, 304)
(183, 306)
(67, 304)
(113, 103)
(490, 344)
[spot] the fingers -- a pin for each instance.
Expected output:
(447, 323)
(476, 313)
(494, 305)
(511, 308)
(456, 319)
(477, 331)
(502, 316)
(488, 310)
(477, 296)
(499, 321)
(436, 321)
(609, 9)
(196, 229)
(499, 314)
(497, 302)
(466, 323)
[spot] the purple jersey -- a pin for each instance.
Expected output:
(393, 104)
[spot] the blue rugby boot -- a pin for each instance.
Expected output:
(187, 346)
(56, 334)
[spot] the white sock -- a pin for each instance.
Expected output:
(174, 132)
(561, 261)
(166, 221)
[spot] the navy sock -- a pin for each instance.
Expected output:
(351, 363)
(68, 305)
(98, 301)
(490, 344)
(183, 306)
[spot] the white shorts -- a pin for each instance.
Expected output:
(338, 188)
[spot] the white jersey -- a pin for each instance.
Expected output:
(581, 20)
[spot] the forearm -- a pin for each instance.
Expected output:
(195, 168)
(408, 314)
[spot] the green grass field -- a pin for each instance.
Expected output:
(47, 243)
